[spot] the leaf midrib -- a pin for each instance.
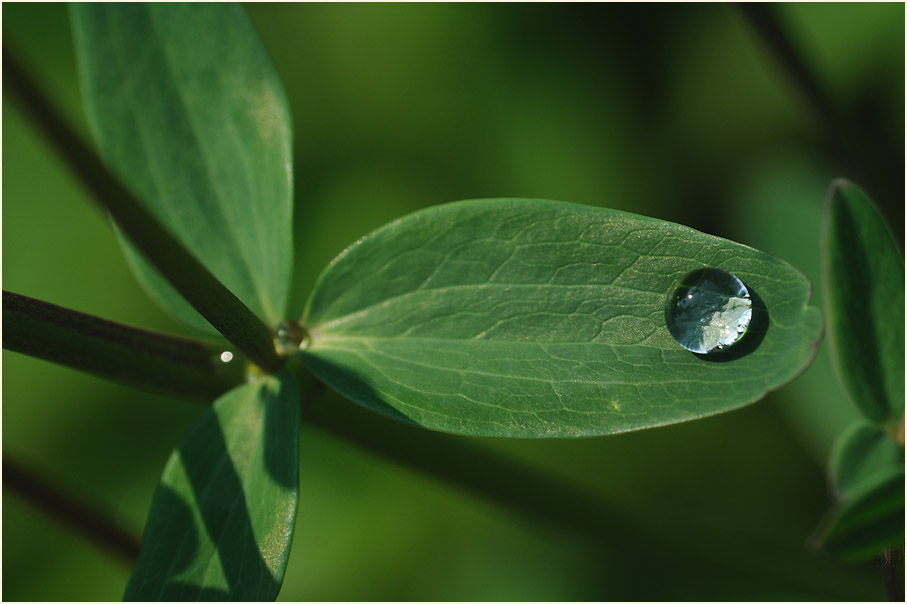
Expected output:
(332, 323)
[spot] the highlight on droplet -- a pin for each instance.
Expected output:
(709, 311)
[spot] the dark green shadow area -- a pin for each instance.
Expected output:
(348, 383)
(283, 470)
(217, 487)
(163, 528)
(234, 447)
(224, 511)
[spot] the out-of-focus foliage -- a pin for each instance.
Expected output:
(863, 279)
(677, 112)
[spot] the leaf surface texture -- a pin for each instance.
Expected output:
(533, 318)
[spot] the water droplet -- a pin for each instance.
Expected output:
(226, 356)
(290, 337)
(709, 311)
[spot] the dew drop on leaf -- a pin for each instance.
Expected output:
(290, 337)
(710, 310)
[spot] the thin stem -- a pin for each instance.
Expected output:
(627, 539)
(893, 573)
(118, 352)
(855, 140)
(478, 471)
(184, 272)
(74, 513)
(764, 19)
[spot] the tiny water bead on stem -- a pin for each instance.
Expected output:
(709, 311)
(290, 338)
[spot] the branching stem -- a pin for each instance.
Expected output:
(185, 273)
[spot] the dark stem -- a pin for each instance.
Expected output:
(856, 140)
(555, 502)
(451, 458)
(893, 573)
(118, 352)
(764, 19)
(72, 512)
(184, 272)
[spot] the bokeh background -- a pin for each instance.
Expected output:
(681, 112)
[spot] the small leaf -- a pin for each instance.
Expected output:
(869, 518)
(863, 279)
(861, 452)
(533, 318)
(187, 108)
(221, 522)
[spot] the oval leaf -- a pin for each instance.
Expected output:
(861, 452)
(187, 108)
(533, 318)
(863, 272)
(869, 519)
(221, 522)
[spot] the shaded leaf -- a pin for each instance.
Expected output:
(536, 318)
(863, 279)
(221, 522)
(187, 108)
(869, 518)
(861, 452)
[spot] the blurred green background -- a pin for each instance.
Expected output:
(680, 112)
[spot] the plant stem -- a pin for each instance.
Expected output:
(618, 537)
(893, 572)
(184, 272)
(479, 471)
(764, 19)
(84, 518)
(853, 139)
(118, 352)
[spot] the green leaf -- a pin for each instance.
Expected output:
(869, 519)
(863, 280)
(533, 318)
(221, 522)
(187, 108)
(859, 454)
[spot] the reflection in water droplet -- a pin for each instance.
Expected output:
(290, 337)
(226, 356)
(709, 311)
